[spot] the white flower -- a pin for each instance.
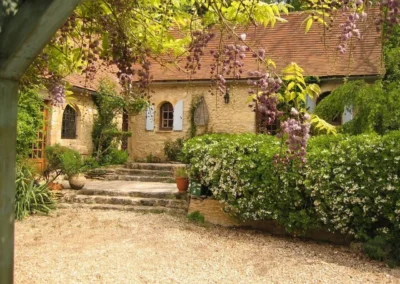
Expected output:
(294, 111)
(243, 37)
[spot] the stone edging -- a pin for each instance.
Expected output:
(214, 213)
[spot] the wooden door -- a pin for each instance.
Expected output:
(125, 127)
(38, 148)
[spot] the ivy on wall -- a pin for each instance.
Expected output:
(30, 121)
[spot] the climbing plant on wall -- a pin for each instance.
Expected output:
(376, 106)
(106, 135)
(30, 121)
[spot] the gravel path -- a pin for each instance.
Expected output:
(80, 246)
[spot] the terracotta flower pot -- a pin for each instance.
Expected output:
(182, 184)
(77, 181)
(55, 186)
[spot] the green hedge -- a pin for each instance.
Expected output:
(350, 184)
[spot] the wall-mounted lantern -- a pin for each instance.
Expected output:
(226, 96)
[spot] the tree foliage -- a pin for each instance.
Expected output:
(132, 35)
(376, 105)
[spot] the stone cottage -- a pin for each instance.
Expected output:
(169, 117)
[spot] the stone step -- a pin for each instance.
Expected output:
(143, 209)
(154, 166)
(143, 172)
(101, 173)
(125, 201)
(133, 193)
(127, 177)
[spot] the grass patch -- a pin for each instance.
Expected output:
(196, 217)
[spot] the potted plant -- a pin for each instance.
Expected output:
(72, 166)
(53, 165)
(181, 178)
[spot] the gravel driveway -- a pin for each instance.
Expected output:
(80, 246)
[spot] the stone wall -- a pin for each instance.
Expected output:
(213, 212)
(86, 110)
(234, 117)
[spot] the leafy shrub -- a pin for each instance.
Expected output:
(71, 162)
(90, 163)
(239, 170)
(63, 160)
(196, 217)
(173, 149)
(384, 247)
(114, 156)
(350, 184)
(150, 158)
(31, 198)
(53, 157)
(30, 121)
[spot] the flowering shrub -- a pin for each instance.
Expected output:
(355, 184)
(241, 171)
(350, 184)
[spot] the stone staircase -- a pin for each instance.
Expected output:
(138, 201)
(140, 187)
(145, 172)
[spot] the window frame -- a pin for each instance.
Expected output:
(69, 127)
(266, 128)
(170, 116)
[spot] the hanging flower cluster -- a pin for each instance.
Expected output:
(297, 129)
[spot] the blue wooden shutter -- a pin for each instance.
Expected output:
(347, 114)
(178, 116)
(150, 118)
(310, 104)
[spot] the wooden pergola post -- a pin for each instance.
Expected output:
(23, 36)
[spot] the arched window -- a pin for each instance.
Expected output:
(322, 96)
(68, 130)
(336, 120)
(166, 116)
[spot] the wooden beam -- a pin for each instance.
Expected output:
(23, 36)
(26, 34)
(8, 131)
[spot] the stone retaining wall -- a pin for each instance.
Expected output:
(214, 213)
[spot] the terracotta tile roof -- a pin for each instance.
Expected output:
(315, 52)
